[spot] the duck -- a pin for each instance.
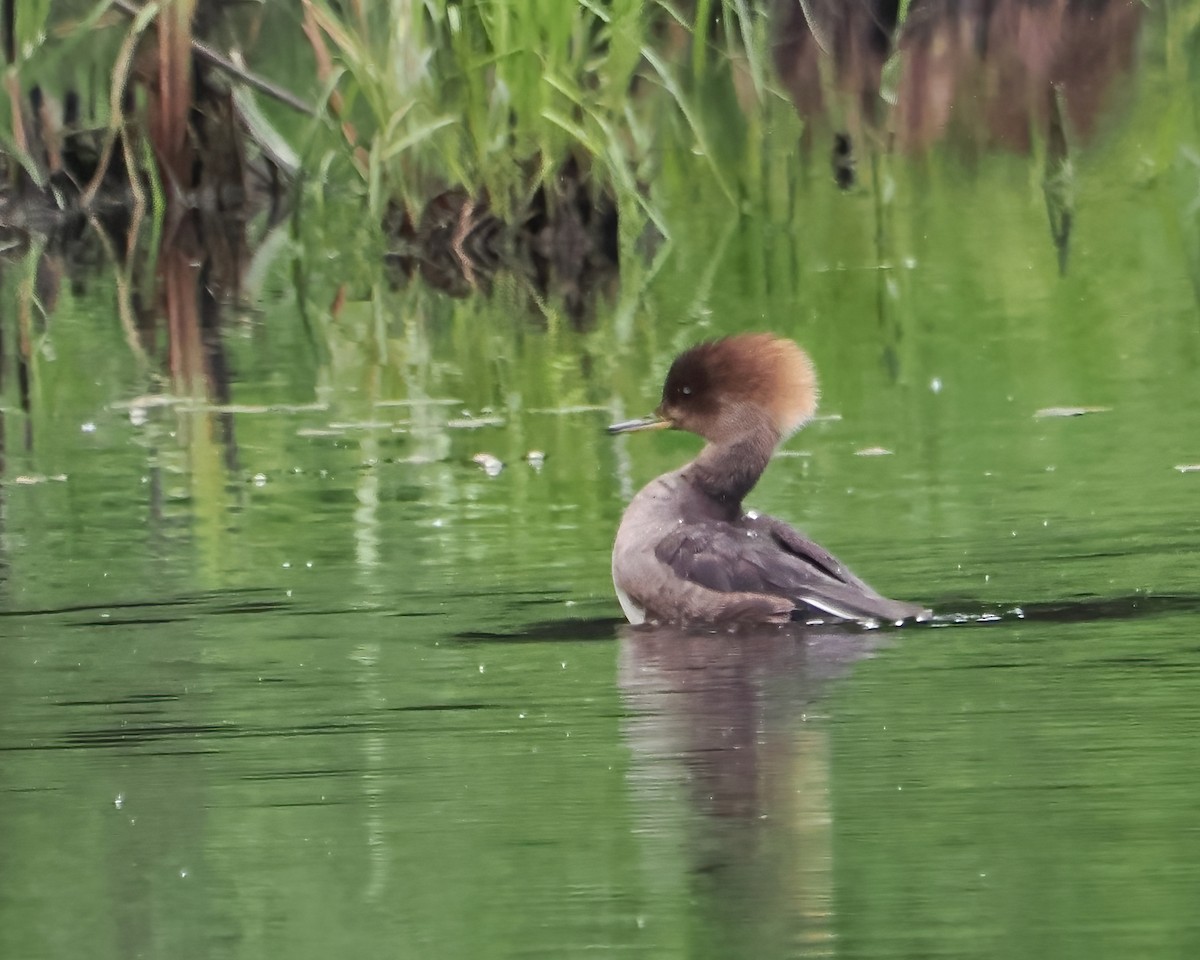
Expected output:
(686, 550)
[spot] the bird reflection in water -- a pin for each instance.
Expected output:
(730, 775)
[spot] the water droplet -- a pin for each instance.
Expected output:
(119, 801)
(260, 479)
(88, 427)
(936, 384)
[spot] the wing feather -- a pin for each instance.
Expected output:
(766, 556)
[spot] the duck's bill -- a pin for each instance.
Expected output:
(645, 423)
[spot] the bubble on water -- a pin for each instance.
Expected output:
(119, 801)
(491, 464)
(88, 427)
(260, 479)
(936, 384)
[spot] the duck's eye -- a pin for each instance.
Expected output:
(686, 391)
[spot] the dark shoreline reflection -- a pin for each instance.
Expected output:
(1003, 74)
(730, 775)
(997, 74)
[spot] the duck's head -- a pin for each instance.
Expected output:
(723, 389)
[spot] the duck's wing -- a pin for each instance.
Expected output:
(766, 556)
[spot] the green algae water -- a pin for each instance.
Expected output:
(320, 655)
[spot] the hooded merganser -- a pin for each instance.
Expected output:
(685, 550)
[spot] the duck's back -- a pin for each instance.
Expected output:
(681, 556)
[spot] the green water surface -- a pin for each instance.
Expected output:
(291, 675)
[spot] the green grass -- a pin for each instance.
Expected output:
(494, 96)
(418, 97)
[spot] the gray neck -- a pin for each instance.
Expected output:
(728, 471)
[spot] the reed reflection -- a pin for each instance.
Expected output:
(989, 75)
(733, 727)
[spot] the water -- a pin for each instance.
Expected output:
(284, 671)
